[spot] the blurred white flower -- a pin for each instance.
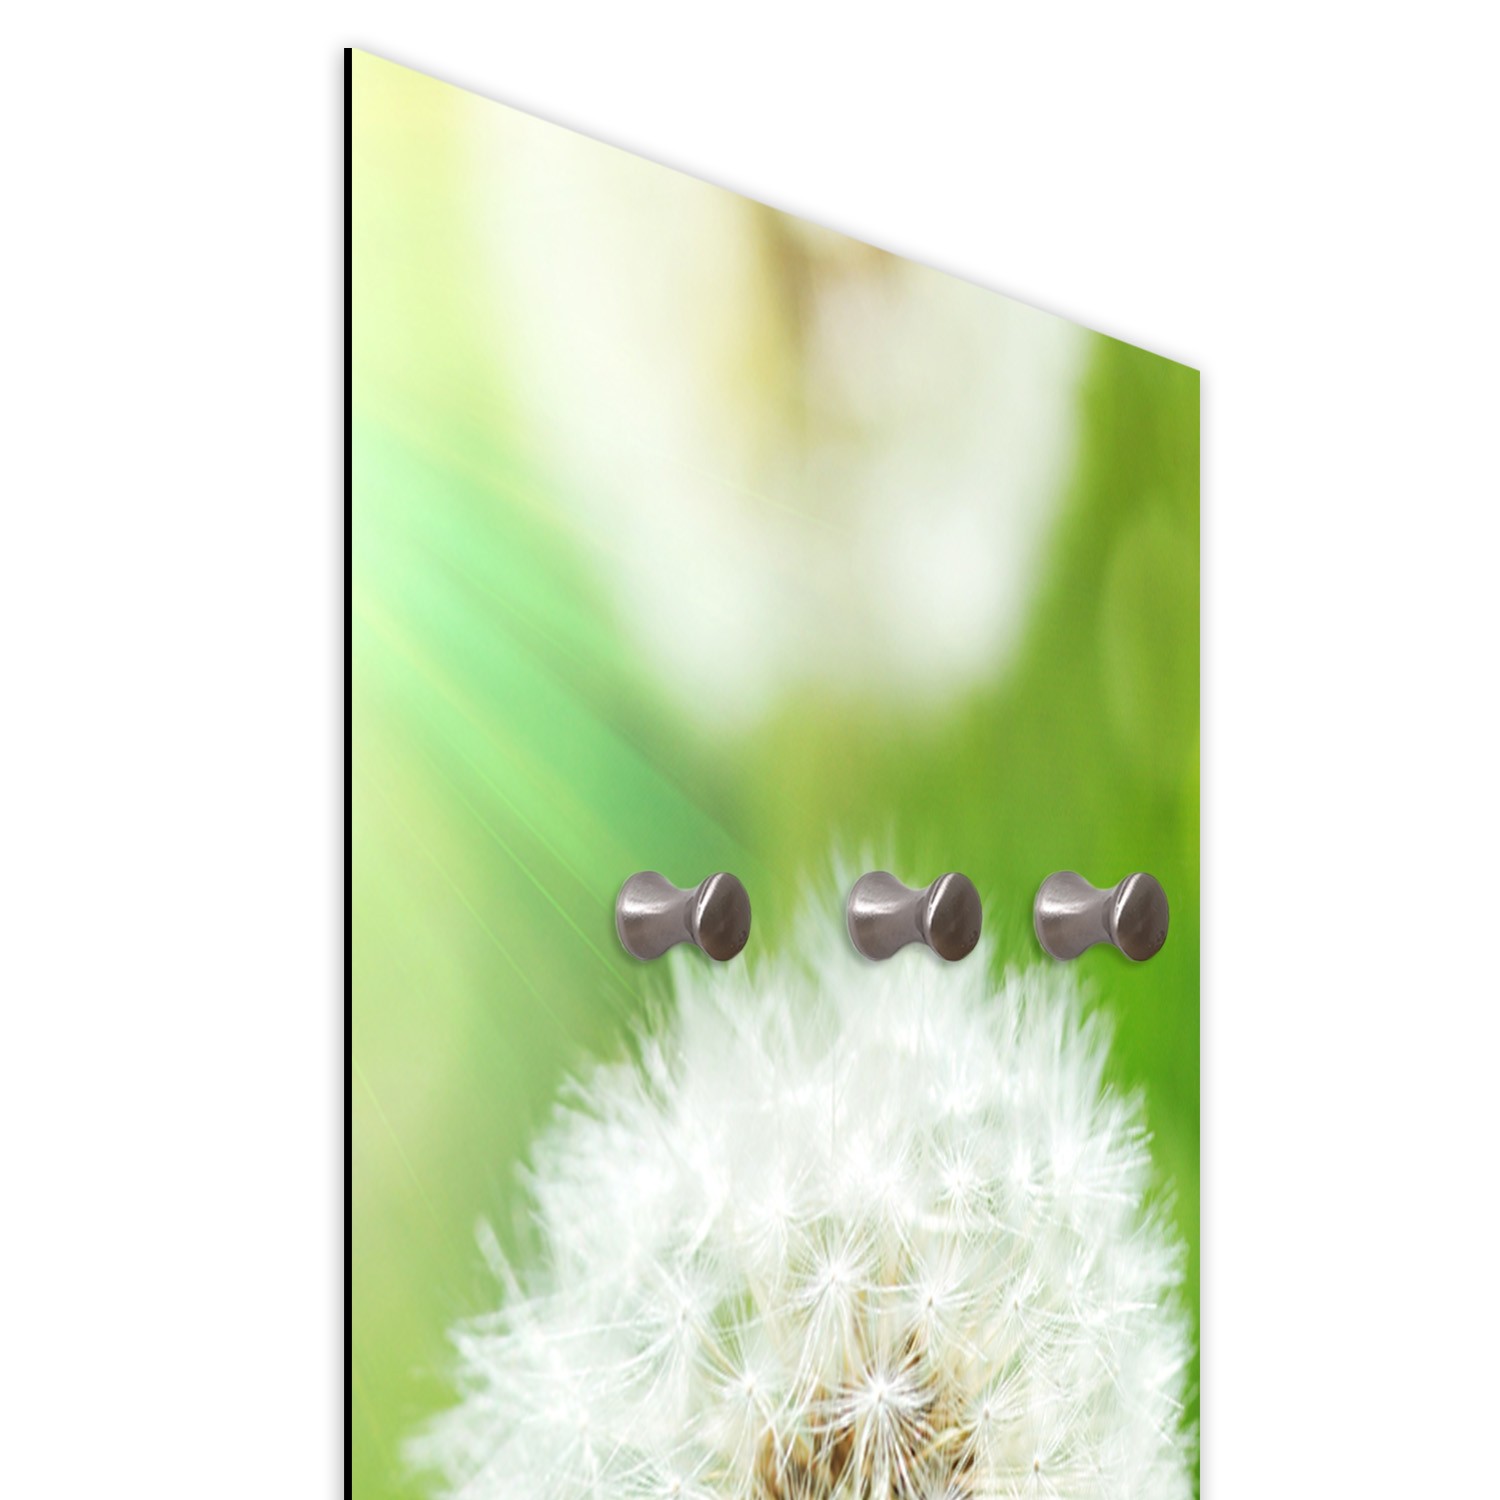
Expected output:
(799, 461)
(844, 1230)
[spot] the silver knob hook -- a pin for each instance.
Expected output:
(1071, 915)
(885, 915)
(652, 915)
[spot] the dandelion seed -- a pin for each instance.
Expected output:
(845, 1232)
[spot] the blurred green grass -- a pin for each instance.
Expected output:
(513, 761)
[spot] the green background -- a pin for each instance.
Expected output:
(514, 760)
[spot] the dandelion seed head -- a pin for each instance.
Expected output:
(840, 1231)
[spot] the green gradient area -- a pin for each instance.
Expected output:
(514, 760)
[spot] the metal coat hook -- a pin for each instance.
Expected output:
(652, 915)
(884, 915)
(1071, 915)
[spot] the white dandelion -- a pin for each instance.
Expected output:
(842, 1231)
(780, 444)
